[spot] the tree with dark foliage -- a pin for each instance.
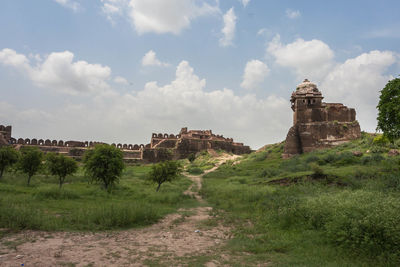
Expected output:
(165, 171)
(389, 110)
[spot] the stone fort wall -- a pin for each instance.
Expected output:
(161, 147)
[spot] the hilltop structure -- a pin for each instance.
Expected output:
(161, 146)
(317, 124)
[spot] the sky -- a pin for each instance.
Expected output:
(118, 70)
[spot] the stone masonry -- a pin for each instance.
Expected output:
(317, 124)
(161, 146)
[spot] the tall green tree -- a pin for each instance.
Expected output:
(389, 110)
(8, 157)
(165, 171)
(61, 166)
(104, 164)
(30, 161)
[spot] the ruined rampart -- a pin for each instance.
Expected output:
(161, 147)
(317, 124)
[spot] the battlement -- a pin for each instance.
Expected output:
(177, 146)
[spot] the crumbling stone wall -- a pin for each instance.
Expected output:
(317, 124)
(162, 146)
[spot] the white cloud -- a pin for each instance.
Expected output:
(357, 83)
(245, 2)
(113, 8)
(254, 74)
(132, 117)
(310, 59)
(121, 80)
(12, 58)
(150, 59)
(172, 16)
(75, 6)
(292, 14)
(59, 72)
(229, 28)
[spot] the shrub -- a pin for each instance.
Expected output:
(61, 166)
(195, 170)
(268, 173)
(378, 149)
(317, 170)
(311, 158)
(346, 158)
(329, 158)
(8, 157)
(30, 161)
(104, 164)
(165, 171)
(380, 140)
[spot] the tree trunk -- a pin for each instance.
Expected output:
(29, 179)
(1, 173)
(61, 182)
(158, 187)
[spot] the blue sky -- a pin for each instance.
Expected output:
(118, 70)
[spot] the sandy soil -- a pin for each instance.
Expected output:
(173, 241)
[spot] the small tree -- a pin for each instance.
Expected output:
(30, 161)
(165, 171)
(61, 166)
(104, 164)
(389, 110)
(8, 156)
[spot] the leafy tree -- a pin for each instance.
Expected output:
(104, 164)
(8, 156)
(191, 157)
(30, 161)
(61, 166)
(389, 110)
(165, 171)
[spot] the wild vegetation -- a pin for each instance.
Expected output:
(80, 205)
(336, 207)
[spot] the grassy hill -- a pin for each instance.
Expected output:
(333, 207)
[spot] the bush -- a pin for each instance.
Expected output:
(373, 159)
(346, 158)
(329, 158)
(268, 173)
(8, 157)
(311, 158)
(166, 171)
(30, 161)
(380, 140)
(104, 164)
(61, 166)
(365, 222)
(195, 170)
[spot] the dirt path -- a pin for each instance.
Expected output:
(181, 239)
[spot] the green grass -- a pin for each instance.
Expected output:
(80, 205)
(325, 208)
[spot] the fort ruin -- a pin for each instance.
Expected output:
(317, 124)
(161, 147)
